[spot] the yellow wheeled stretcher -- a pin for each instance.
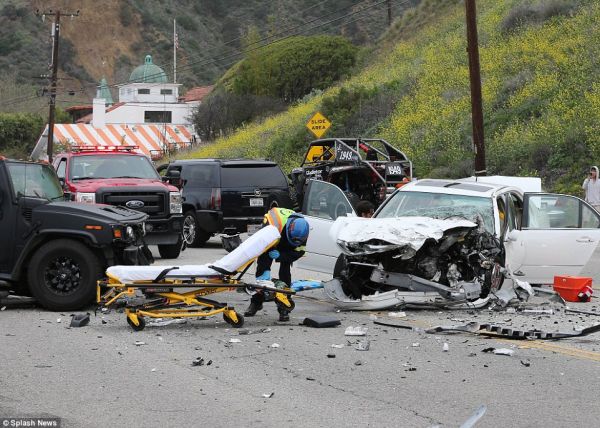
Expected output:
(160, 291)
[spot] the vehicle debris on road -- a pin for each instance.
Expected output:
(499, 351)
(80, 320)
(356, 331)
(321, 321)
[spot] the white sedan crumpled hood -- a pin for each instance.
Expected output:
(386, 234)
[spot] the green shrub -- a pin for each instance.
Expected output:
(19, 133)
(292, 68)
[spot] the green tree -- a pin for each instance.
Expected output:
(291, 68)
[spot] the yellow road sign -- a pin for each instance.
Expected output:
(318, 124)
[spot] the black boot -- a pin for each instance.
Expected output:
(284, 315)
(256, 304)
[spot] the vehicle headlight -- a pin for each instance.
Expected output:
(130, 233)
(88, 198)
(175, 206)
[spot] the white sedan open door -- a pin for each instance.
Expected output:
(559, 235)
(323, 203)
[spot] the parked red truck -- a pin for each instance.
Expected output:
(121, 176)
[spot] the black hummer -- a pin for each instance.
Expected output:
(226, 196)
(59, 249)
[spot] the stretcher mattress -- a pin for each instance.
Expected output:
(248, 250)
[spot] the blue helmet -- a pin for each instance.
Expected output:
(297, 230)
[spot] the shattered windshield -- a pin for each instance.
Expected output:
(112, 166)
(439, 205)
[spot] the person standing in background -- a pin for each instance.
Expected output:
(591, 185)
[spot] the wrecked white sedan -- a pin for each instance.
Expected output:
(444, 241)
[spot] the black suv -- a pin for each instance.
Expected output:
(60, 249)
(226, 196)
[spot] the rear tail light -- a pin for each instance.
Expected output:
(215, 199)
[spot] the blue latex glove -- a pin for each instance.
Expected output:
(274, 254)
(266, 275)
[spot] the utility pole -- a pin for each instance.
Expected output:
(475, 78)
(175, 47)
(54, 77)
(389, 12)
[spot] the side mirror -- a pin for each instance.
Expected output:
(174, 178)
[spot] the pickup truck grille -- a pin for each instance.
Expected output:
(155, 203)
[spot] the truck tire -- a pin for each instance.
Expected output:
(170, 251)
(63, 274)
(193, 235)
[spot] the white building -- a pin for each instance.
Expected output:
(149, 114)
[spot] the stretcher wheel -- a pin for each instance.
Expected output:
(237, 324)
(140, 327)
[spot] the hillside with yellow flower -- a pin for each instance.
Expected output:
(540, 64)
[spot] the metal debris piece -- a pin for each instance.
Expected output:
(358, 363)
(274, 345)
(388, 324)
(268, 395)
(526, 363)
(356, 331)
(475, 417)
(337, 346)
(416, 345)
(3, 308)
(510, 333)
(330, 355)
(504, 351)
(446, 347)
(495, 330)
(470, 327)
(139, 343)
(363, 345)
(234, 340)
(199, 361)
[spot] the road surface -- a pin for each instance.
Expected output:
(96, 376)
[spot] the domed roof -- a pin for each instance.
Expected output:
(148, 73)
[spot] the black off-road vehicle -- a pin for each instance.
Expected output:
(226, 196)
(58, 249)
(364, 168)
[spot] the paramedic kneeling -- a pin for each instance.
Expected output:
(294, 234)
